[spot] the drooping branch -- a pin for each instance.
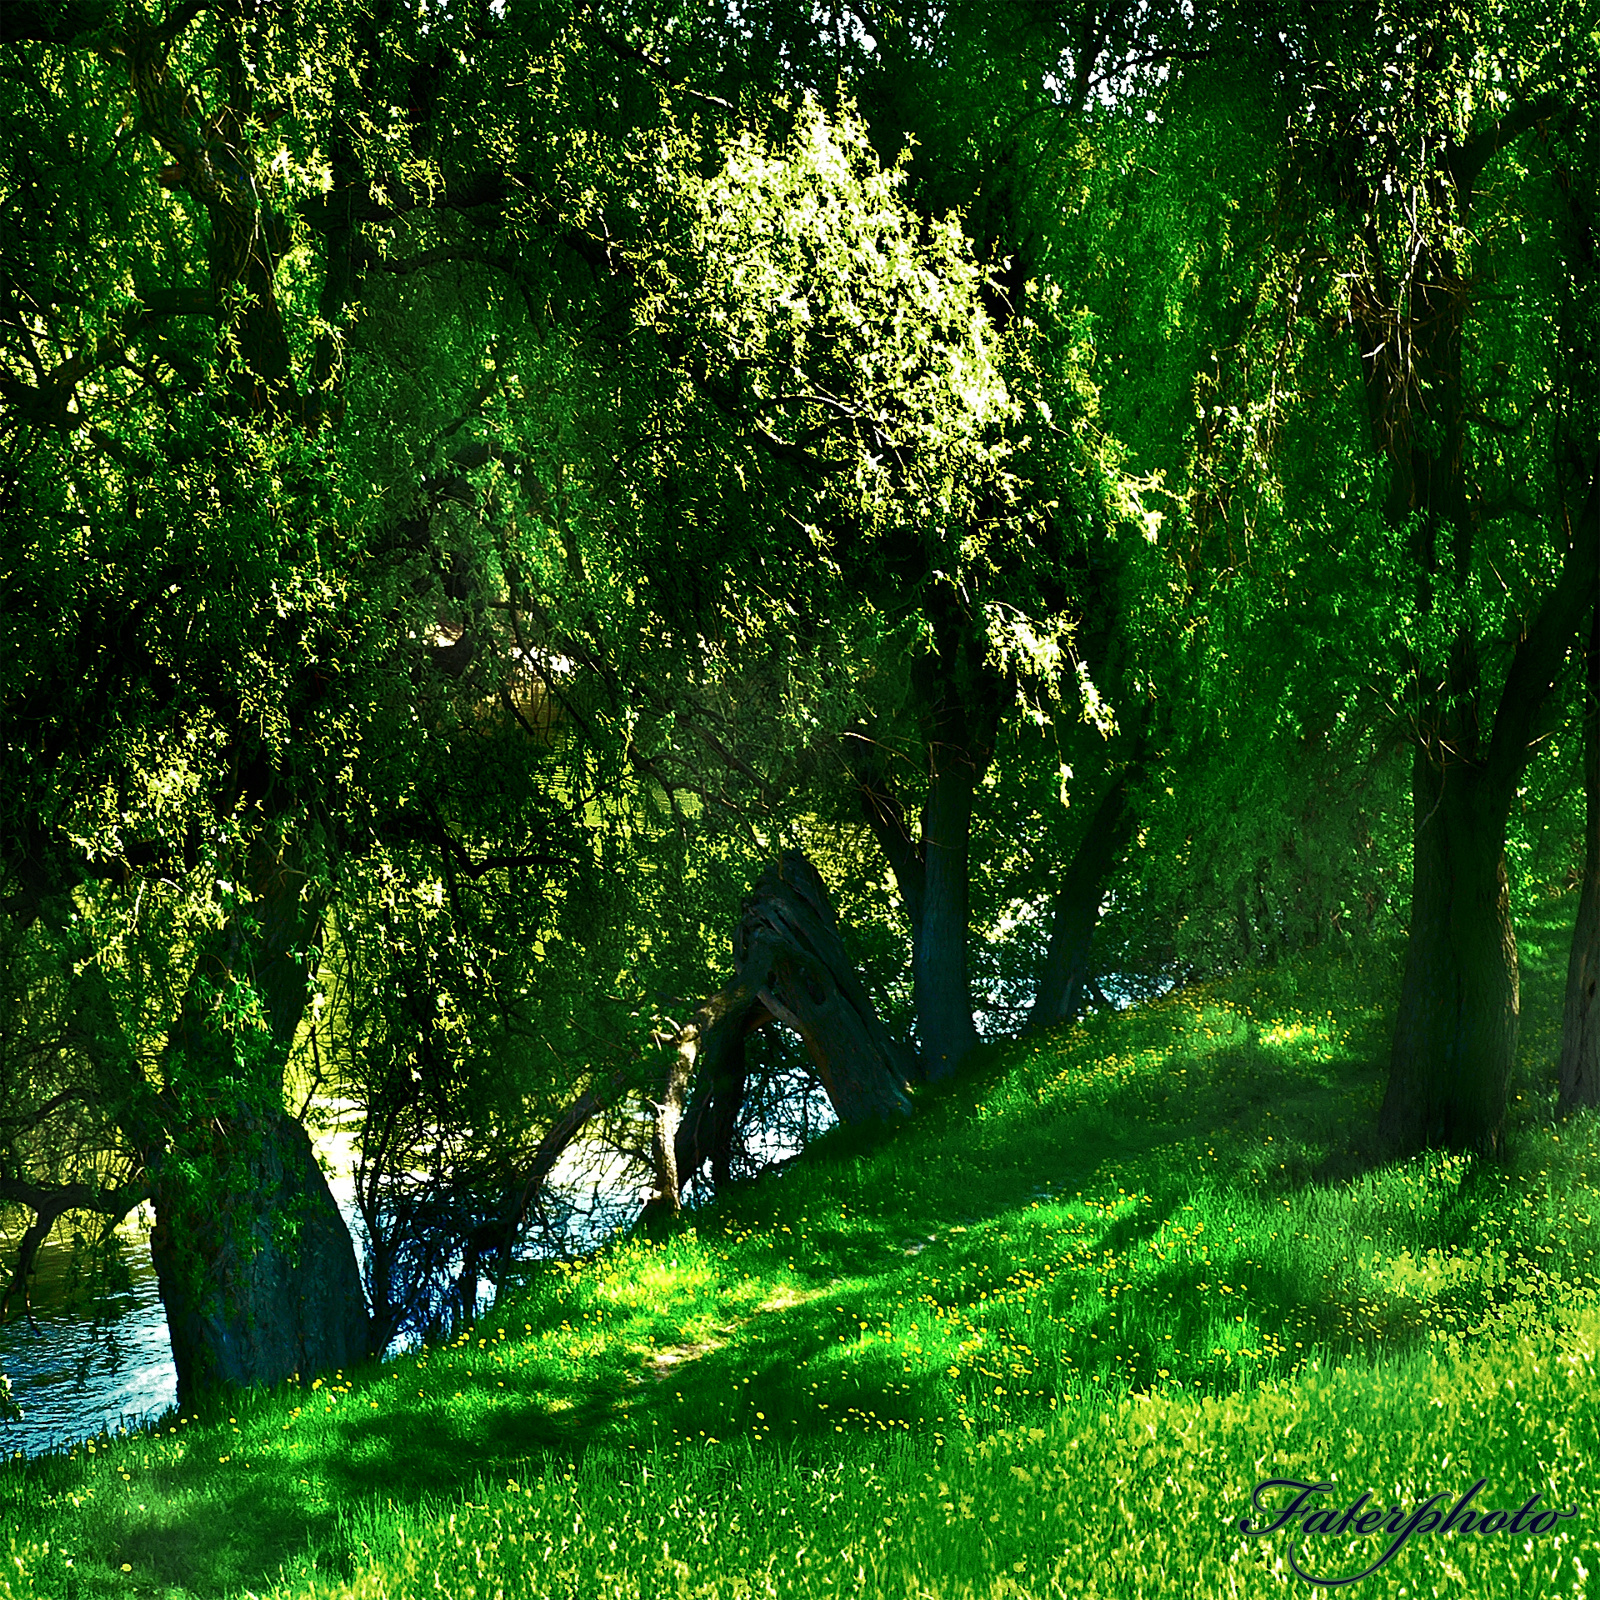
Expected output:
(49, 1203)
(557, 1137)
(659, 71)
(1543, 647)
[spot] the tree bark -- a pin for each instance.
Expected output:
(257, 1274)
(791, 968)
(255, 1265)
(1456, 1029)
(1580, 1025)
(1075, 909)
(710, 1122)
(789, 950)
(711, 1046)
(1456, 1032)
(940, 976)
(960, 699)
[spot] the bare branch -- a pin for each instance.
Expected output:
(657, 69)
(48, 1204)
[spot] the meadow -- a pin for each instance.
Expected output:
(1044, 1339)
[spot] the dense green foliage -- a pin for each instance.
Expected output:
(1163, 1276)
(1117, 486)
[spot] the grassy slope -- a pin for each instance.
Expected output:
(1043, 1339)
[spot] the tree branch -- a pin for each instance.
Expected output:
(656, 69)
(48, 1204)
(1468, 159)
(557, 1137)
(62, 22)
(1544, 646)
(45, 403)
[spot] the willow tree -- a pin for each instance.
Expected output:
(232, 490)
(1014, 611)
(1436, 263)
(385, 387)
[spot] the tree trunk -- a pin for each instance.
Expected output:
(960, 699)
(710, 1123)
(940, 976)
(709, 1051)
(257, 1272)
(1064, 980)
(1580, 1025)
(256, 1266)
(790, 951)
(1456, 1033)
(792, 968)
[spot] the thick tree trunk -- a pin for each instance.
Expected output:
(1580, 1025)
(257, 1273)
(789, 950)
(1456, 1033)
(791, 968)
(1075, 909)
(256, 1266)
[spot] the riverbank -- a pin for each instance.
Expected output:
(1044, 1339)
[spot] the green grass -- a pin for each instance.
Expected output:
(1042, 1340)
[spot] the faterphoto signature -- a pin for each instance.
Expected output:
(1308, 1517)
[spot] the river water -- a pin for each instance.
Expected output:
(76, 1367)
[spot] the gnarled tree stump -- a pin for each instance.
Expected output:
(791, 967)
